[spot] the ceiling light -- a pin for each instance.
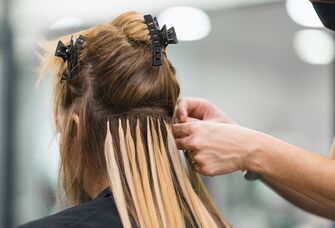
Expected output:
(314, 46)
(303, 13)
(190, 23)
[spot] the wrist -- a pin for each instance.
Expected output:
(255, 159)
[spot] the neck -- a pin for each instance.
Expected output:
(94, 184)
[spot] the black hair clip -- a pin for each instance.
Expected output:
(156, 46)
(70, 53)
(168, 36)
(159, 38)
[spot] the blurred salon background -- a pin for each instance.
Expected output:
(267, 63)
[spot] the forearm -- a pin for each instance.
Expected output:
(308, 173)
(300, 200)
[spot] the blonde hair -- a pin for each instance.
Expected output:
(125, 106)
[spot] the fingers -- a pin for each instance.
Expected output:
(196, 107)
(180, 112)
(190, 107)
(184, 143)
(192, 162)
(183, 134)
(182, 130)
(196, 163)
(190, 119)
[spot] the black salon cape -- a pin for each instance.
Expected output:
(98, 213)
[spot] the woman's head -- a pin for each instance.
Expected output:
(115, 115)
(114, 76)
(115, 72)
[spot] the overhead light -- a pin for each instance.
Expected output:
(303, 13)
(314, 46)
(66, 23)
(190, 23)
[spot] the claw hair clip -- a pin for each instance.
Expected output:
(159, 38)
(70, 54)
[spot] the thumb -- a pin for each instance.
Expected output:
(180, 112)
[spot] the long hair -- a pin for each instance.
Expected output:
(125, 106)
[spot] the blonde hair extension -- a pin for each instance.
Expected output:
(155, 176)
(172, 209)
(143, 170)
(183, 208)
(161, 199)
(129, 177)
(203, 217)
(115, 179)
(204, 195)
(142, 205)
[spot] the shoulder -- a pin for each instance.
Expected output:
(96, 213)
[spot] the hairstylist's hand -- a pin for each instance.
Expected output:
(216, 148)
(200, 109)
(214, 143)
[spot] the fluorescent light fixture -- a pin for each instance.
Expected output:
(303, 13)
(190, 23)
(314, 46)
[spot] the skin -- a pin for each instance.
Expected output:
(217, 146)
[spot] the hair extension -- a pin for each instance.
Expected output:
(128, 172)
(115, 179)
(170, 200)
(145, 179)
(202, 216)
(157, 181)
(154, 176)
(142, 205)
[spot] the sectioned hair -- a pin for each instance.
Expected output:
(125, 106)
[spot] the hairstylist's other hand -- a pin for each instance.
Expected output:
(216, 148)
(198, 108)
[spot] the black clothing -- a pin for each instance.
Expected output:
(98, 213)
(326, 12)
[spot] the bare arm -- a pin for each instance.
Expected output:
(218, 147)
(300, 200)
(308, 173)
